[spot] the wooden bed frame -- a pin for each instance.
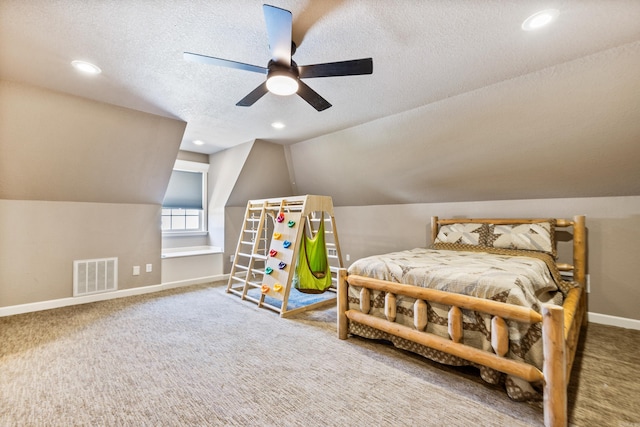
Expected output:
(560, 324)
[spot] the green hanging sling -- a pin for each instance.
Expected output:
(312, 275)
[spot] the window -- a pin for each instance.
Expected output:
(184, 208)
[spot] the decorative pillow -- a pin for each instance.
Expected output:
(539, 236)
(463, 233)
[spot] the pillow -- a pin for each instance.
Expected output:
(539, 236)
(463, 233)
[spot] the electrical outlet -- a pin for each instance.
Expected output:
(149, 268)
(348, 257)
(230, 258)
(136, 270)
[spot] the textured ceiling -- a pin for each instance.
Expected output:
(423, 52)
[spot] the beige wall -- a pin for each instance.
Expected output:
(79, 179)
(55, 146)
(255, 170)
(525, 138)
(613, 230)
(41, 239)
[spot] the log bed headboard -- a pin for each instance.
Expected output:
(578, 267)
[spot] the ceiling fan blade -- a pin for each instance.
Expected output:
(312, 97)
(333, 69)
(279, 24)
(194, 57)
(253, 96)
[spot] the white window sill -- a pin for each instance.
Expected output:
(184, 233)
(190, 251)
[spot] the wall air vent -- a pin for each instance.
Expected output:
(92, 276)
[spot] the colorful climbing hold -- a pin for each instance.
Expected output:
(268, 270)
(282, 265)
(286, 244)
(273, 252)
(265, 289)
(277, 236)
(277, 287)
(291, 223)
(280, 217)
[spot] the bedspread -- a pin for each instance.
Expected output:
(514, 279)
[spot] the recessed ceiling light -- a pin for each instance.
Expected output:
(86, 67)
(540, 19)
(198, 142)
(277, 125)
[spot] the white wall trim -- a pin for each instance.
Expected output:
(64, 302)
(605, 319)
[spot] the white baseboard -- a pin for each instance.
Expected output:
(603, 319)
(621, 322)
(64, 302)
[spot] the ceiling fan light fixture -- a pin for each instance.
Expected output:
(282, 83)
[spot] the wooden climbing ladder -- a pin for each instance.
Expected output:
(268, 246)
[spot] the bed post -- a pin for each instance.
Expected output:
(343, 304)
(554, 366)
(434, 229)
(579, 250)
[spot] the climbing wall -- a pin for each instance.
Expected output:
(280, 263)
(263, 269)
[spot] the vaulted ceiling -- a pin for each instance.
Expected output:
(462, 105)
(423, 53)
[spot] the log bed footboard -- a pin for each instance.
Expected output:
(556, 363)
(560, 326)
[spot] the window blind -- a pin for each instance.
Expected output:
(184, 191)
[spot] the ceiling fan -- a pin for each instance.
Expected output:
(283, 74)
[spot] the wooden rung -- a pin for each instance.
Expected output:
(257, 271)
(365, 300)
(455, 324)
(243, 254)
(390, 306)
(420, 314)
(242, 267)
(254, 284)
(234, 291)
(256, 300)
(244, 242)
(239, 279)
(499, 336)
(271, 307)
(237, 286)
(259, 256)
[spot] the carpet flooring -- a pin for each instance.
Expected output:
(197, 356)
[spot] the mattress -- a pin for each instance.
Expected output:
(514, 278)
